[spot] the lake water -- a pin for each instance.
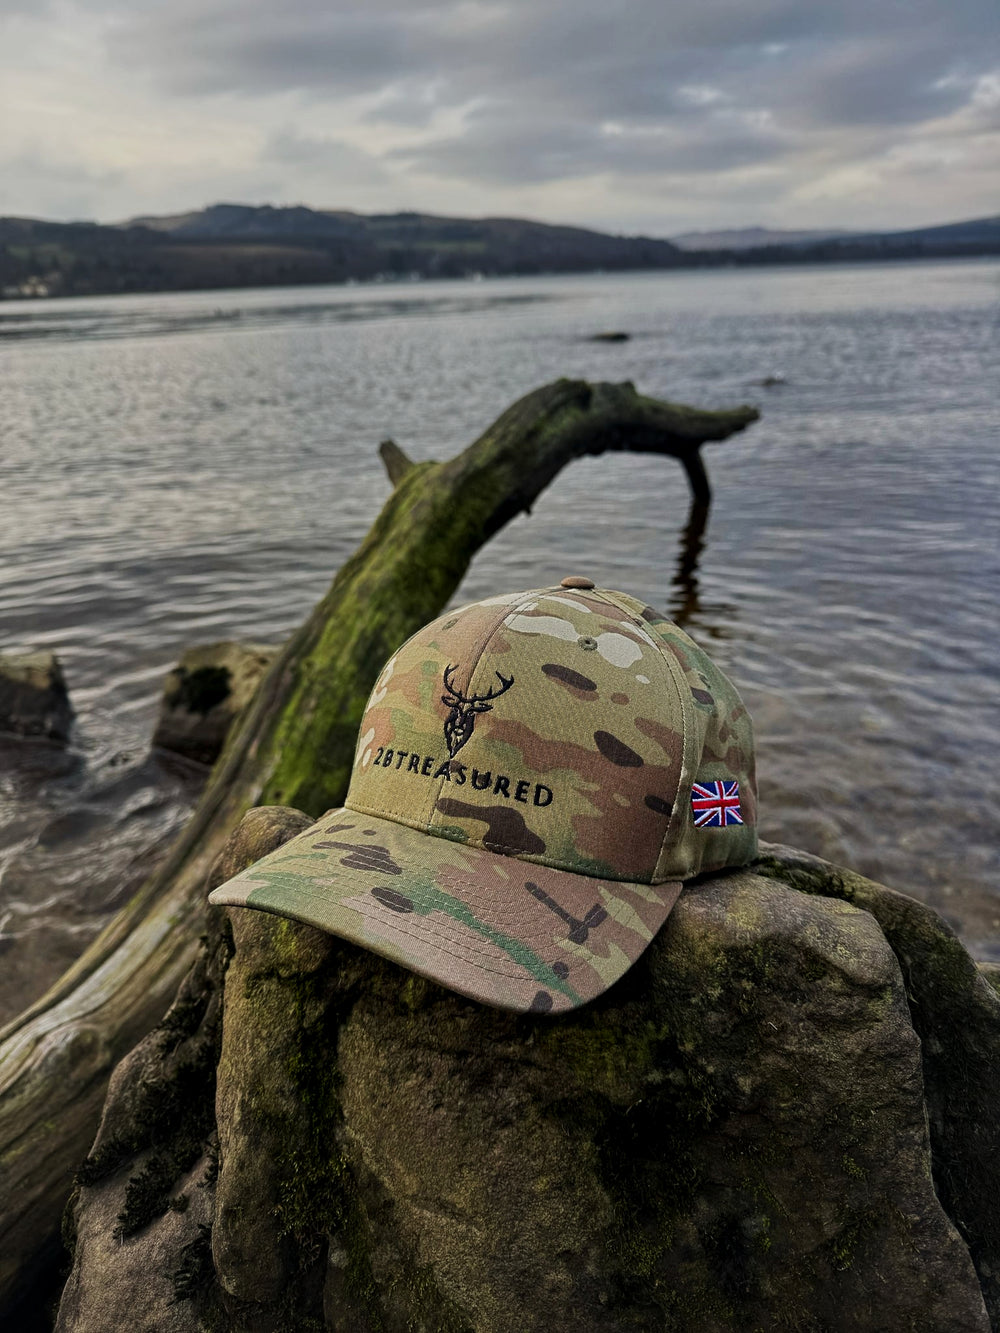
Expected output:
(190, 467)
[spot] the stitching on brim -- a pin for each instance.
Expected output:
(469, 947)
(523, 974)
(448, 877)
(451, 878)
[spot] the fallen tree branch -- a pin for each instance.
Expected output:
(397, 463)
(294, 747)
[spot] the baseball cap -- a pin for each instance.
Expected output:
(536, 776)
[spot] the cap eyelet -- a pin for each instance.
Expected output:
(586, 643)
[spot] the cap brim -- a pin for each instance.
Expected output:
(498, 929)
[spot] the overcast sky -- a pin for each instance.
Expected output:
(655, 116)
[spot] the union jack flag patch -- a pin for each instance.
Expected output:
(716, 804)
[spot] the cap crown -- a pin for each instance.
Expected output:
(563, 727)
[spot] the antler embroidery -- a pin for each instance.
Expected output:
(462, 718)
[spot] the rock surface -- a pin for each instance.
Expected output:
(735, 1137)
(33, 696)
(205, 693)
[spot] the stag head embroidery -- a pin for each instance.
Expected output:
(461, 720)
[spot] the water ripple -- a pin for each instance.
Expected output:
(187, 468)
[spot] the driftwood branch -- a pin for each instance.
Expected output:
(294, 747)
(397, 464)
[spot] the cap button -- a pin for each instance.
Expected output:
(575, 581)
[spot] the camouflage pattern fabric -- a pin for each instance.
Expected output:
(521, 817)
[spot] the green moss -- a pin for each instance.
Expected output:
(652, 1195)
(181, 1116)
(211, 1173)
(175, 1114)
(851, 1237)
(201, 690)
(638, 1086)
(147, 1195)
(634, 1089)
(852, 1167)
(318, 1200)
(430, 1310)
(414, 991)
(171, 1103)
(317, 1196)
(113, 1153)
(602, 1060)
(172, 1094)
(937, 969)
(182, 1020)
(68, 1221)
(196, 1270)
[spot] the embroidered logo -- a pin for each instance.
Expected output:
(459, 723)
(716, 804)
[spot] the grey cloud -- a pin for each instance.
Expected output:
(501, 151)
(253, 49)
(547, 76)
(341, 163)
(816, 73)
(34, 9)
(572, 54)
(505, 147)
(72, 187)
(410, 102)
(881, 82)
(549, 90)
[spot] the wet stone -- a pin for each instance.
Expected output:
(34, 700)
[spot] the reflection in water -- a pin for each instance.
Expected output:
(684, 602)
(76, 841)
(70, 320)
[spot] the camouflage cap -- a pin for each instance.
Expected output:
(536, 775)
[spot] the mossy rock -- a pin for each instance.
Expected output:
(34, 700)
(735, 1137)
(204, 695)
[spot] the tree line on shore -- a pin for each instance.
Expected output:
(233, 245)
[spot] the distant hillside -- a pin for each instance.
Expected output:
(749, 238)
(251, 222)
(239, 245)
(422, 243)
(235, 245)
(979, 236)
(980, 231)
